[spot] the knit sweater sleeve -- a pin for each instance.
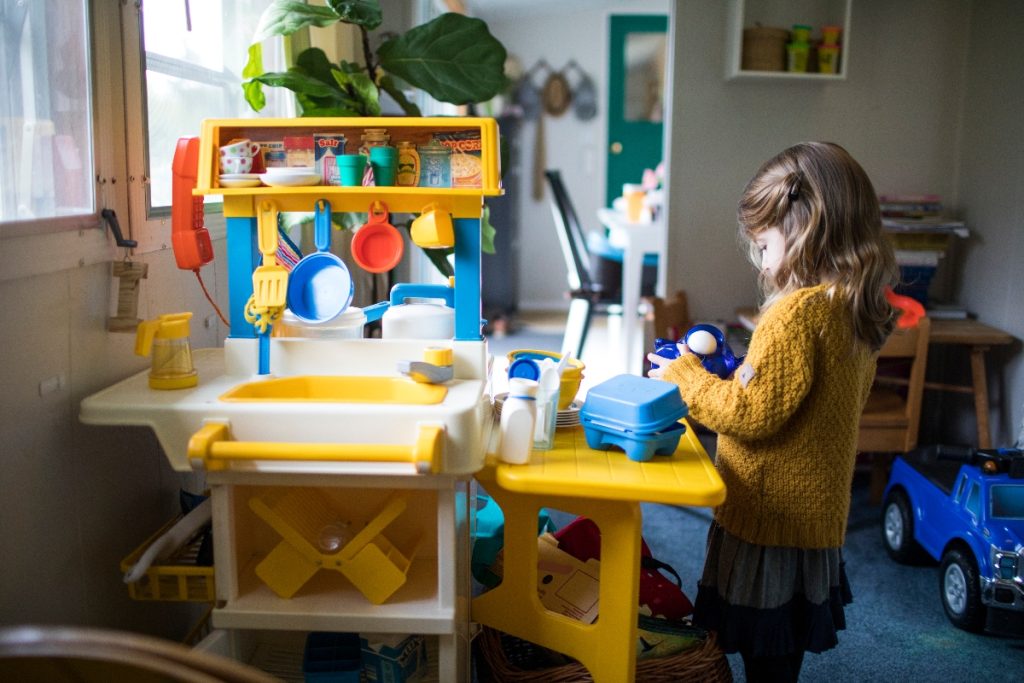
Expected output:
(755, 406)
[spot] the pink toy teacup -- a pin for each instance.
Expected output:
(235, 164)
(242, 147)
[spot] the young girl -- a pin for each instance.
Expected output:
(774, 585)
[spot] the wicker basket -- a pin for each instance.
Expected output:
(764, 49)
(506, 658)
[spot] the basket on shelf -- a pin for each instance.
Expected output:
(513, 660)
(175, 579)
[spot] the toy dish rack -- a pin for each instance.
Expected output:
(175, 579)
(370, 561)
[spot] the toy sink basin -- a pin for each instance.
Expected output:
(331, 389)
(638, 405)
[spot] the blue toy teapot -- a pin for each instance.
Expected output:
(708, 343)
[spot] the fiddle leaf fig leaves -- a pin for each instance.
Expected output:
(285, 17)
(453, 57)
(365, 13)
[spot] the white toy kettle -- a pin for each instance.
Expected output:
(424, 319)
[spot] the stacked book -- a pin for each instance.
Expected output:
(920, 234)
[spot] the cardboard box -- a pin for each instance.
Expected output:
(565, 585)
(326, 149)
(393, 658)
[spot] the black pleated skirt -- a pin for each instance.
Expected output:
(767, 601)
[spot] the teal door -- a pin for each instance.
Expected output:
(636, 95)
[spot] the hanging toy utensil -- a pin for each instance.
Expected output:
(320, 286)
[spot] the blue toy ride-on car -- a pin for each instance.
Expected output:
(964, 508)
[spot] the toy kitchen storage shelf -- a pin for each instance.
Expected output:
(784, 14)
(269, 453)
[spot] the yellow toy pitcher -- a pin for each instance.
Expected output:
(166, 339)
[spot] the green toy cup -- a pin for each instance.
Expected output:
(350, 169)
(384, 160)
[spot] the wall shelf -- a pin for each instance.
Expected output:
(783, 14)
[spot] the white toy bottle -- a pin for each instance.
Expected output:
(518, 415)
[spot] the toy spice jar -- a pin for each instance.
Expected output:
(373, 137)
(435, 165)
(408, 174)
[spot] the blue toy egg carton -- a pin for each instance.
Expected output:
(638, 414)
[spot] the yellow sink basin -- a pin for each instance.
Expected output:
(337, 389)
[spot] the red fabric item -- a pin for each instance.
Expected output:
(582, 539)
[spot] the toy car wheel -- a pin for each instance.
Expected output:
(898, 529)
(960, 590)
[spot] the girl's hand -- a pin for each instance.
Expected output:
(658, 362)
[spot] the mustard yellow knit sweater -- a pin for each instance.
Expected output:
(787, 432)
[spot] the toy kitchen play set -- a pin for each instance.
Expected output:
(340, 466)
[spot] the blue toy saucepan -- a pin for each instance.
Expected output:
(320, 286)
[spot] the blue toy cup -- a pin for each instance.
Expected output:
(350, 169)
(384, 160)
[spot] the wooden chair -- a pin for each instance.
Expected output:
(891, 417)
(671, 317)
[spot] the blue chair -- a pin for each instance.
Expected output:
(594, 276)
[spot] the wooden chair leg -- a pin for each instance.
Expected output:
(880, 463)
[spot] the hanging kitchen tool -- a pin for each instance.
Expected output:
(555, 99)
(269, 280)
(584, 94)
(377, 246)
(527, 94)
(319, 286)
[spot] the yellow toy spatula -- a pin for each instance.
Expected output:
(269, 280)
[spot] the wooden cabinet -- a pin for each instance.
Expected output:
(784, 14)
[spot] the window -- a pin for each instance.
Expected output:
(973, 504)
(194, 55)
(46, 152)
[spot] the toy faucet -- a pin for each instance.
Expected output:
(166, 339)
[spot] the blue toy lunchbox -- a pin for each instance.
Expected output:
(638, 414)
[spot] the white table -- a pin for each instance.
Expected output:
(635, 240)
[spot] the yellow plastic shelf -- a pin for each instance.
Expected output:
(687, 477)
(461, 202)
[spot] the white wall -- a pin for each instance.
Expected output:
(557, 33)
(991, 183)
(76, 499)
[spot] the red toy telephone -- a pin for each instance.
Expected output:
(189, 237)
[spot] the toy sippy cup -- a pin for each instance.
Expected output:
(166, 339)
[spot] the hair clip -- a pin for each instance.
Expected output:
(794, 192)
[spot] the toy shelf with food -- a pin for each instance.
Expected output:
(456, 162)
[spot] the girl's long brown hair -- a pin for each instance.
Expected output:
(822, 201)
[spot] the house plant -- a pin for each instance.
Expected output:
(453, 58)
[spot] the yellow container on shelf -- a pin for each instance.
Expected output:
(828, 59)
(572, 375)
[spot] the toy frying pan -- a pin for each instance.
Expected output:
(377, 246)
(320, 286)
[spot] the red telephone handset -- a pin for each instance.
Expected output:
(189, 237)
